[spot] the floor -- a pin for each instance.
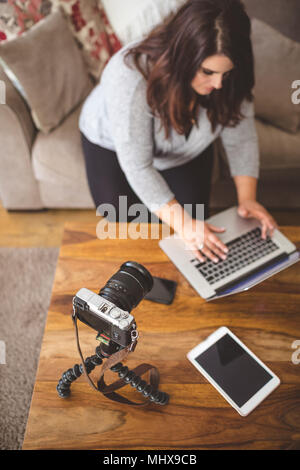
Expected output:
(45, 228)
(38, 228)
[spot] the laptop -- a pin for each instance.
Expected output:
(250, 259)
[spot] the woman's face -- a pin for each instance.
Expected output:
(211, 74)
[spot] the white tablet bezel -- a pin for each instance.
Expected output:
(256, 399)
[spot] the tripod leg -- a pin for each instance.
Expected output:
(68, 377)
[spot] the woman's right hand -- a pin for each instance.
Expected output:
(200, 237)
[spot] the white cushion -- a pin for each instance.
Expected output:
(133, 19)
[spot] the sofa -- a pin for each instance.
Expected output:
(41, 160)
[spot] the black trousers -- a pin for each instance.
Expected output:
(190, 182)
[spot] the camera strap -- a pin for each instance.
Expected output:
(110, 390)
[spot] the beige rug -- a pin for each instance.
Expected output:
(26, 278)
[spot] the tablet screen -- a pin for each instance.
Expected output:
(233, 369)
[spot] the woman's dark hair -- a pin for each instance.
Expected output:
(172, 54)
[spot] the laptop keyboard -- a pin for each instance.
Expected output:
(243, 251)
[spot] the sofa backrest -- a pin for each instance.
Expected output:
(283, 15)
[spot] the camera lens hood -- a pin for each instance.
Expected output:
(128, 286)
(147, 277)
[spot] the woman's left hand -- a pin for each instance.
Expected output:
(252, 209)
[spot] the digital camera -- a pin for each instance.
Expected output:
(109, 314)
(109, 311)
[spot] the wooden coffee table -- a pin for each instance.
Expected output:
(266, 319)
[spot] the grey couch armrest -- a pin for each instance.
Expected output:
(18, 186)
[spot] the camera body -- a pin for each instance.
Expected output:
(105, 317)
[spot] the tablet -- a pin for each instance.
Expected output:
(243, 379)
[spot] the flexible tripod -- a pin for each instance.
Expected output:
(126, 376)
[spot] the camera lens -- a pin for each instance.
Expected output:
(127, 287)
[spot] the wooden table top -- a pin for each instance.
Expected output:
(266, 319)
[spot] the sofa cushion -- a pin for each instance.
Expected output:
(273, 194)
(50, 68)
(58, 158)
(58, 196)
(279, 149)
(277, 60)
(86, 19)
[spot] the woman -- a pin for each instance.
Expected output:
(148, 127)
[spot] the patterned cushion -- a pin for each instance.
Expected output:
(86, 19)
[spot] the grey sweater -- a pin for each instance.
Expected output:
(116, 116)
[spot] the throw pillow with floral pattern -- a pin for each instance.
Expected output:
(86, 18)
